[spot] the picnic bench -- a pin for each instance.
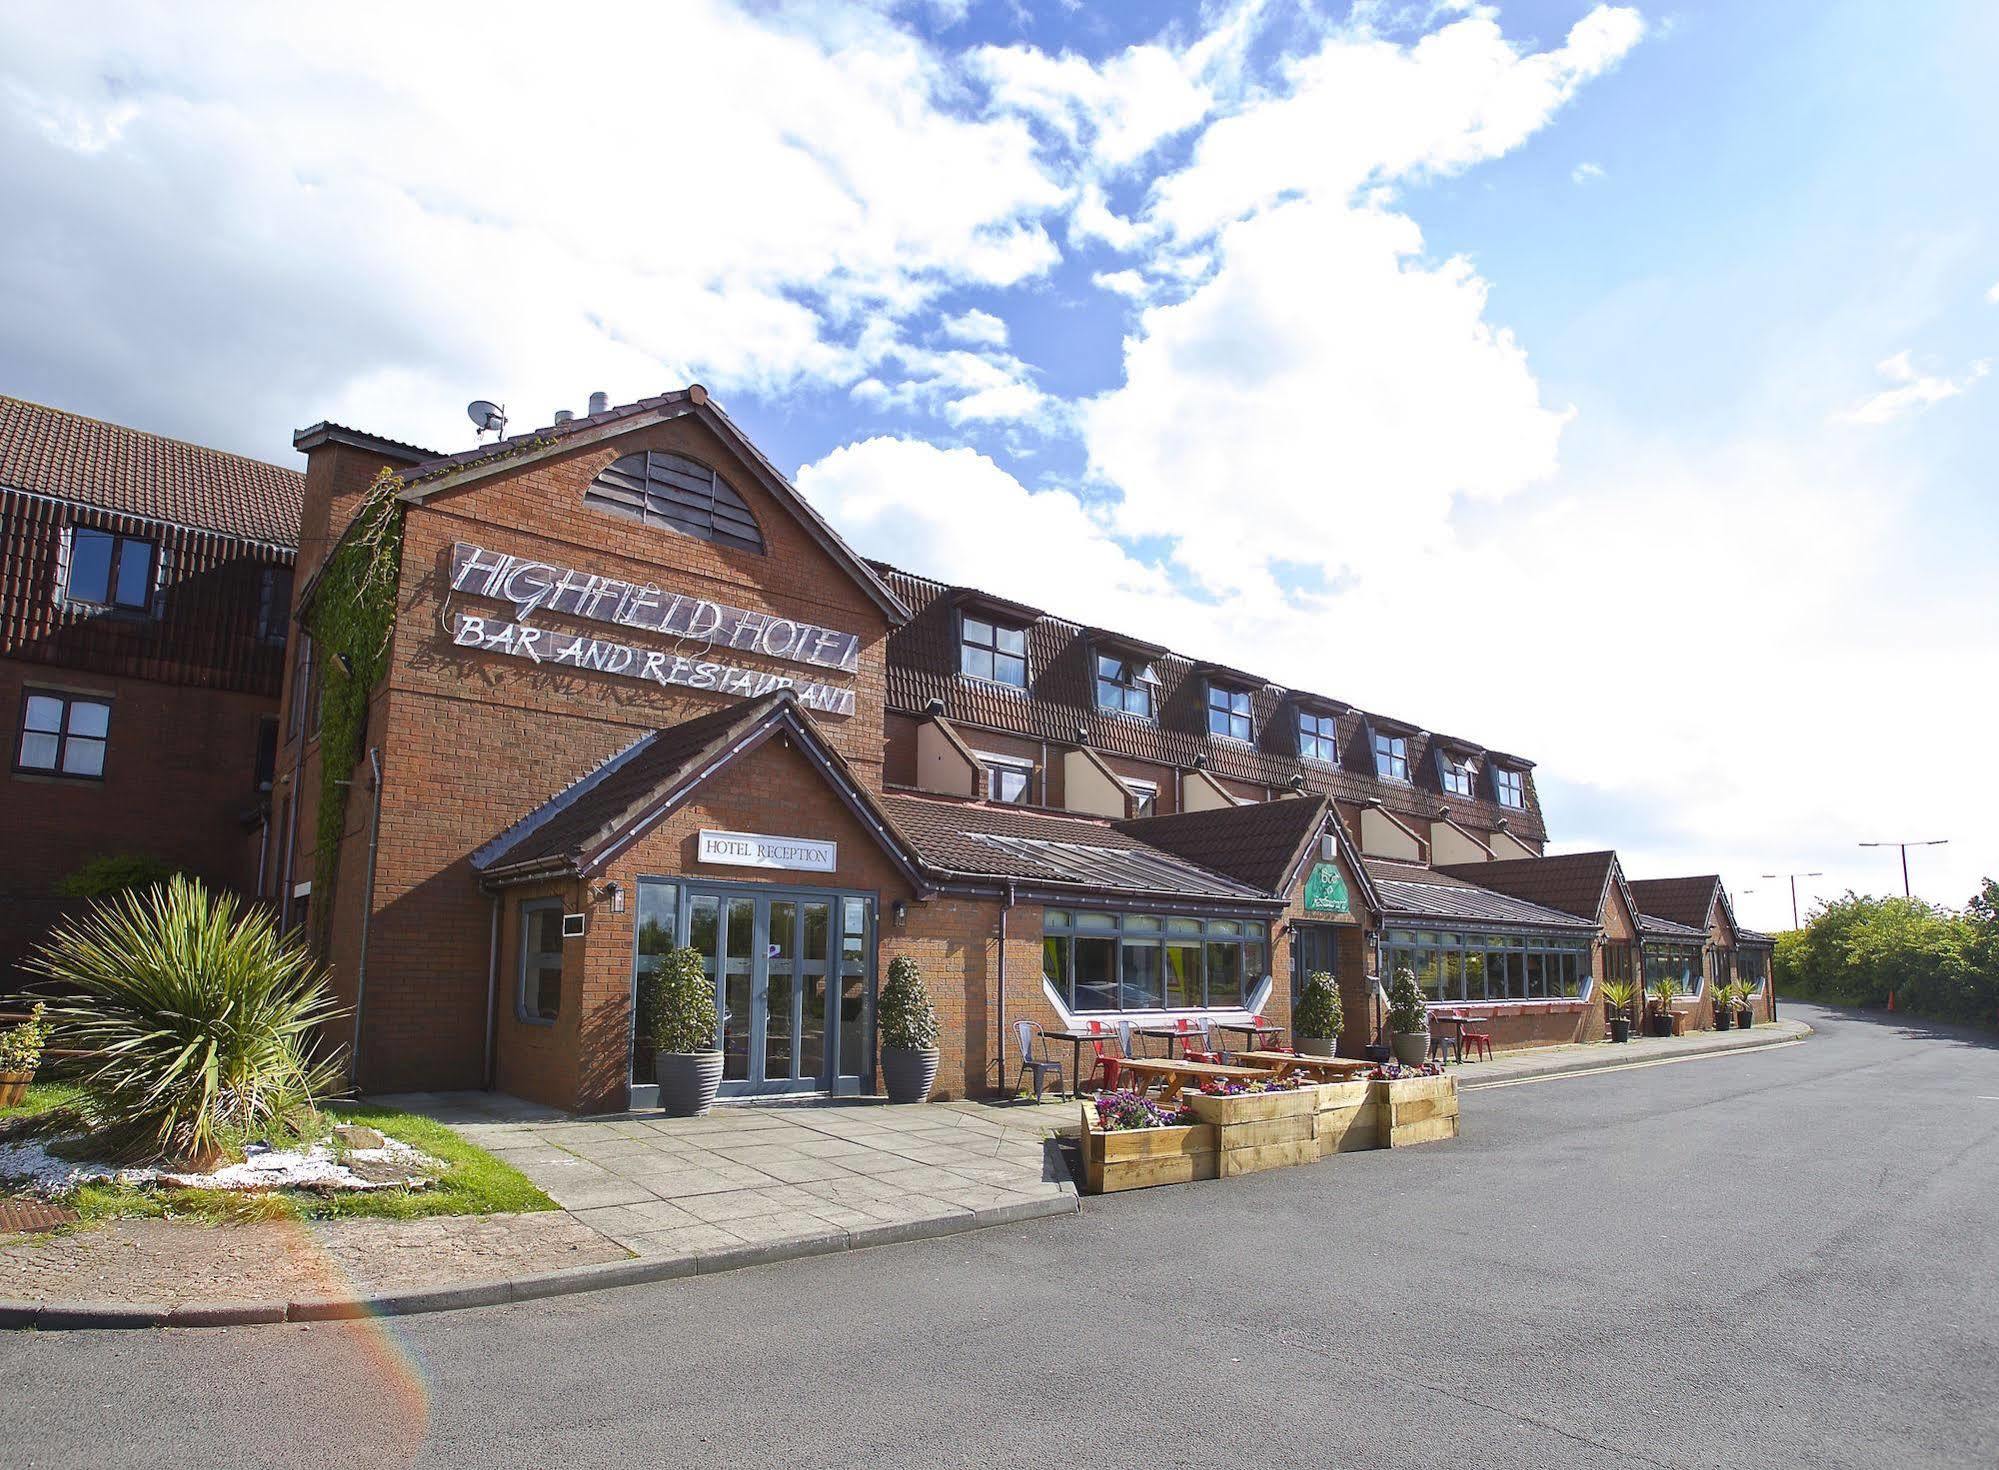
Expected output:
(1174, 1075)
(1328, 1069)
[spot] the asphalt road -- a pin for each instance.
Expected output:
(1780, 1258)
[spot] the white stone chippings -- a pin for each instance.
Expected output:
(316, 1167)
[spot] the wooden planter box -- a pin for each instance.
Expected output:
(1349, 1117)
(1416, 1110)
(1261, 1130)
(1135, 1158)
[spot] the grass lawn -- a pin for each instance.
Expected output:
(473, 1181)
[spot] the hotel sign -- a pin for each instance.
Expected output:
(760, 850)
(701, 628)
(1326, 891)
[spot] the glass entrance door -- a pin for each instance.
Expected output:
(1314, 947)
(794, 982)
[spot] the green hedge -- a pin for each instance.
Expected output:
(1938, 962)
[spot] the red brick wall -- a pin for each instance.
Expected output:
(179, 774)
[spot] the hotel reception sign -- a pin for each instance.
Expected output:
(702, 631)
(761, 850)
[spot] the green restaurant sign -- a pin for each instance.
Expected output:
(1326, 890)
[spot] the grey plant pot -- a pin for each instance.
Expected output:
(688, 1081)
(1317, 1046)
(909, 1073)
(1412, 1048)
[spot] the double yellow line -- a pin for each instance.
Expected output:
(1701, 1056)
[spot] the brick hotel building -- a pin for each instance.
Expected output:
(638, 693)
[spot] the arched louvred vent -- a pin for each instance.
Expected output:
(669, 489)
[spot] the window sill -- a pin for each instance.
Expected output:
(1513, 1007)
(56, 778)
(1000, 684)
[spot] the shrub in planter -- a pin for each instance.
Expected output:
(1121, 1111)
(1664, 992)
(1408, 1018)
(201, 1018)
(909, 1034)
(20, 1054)
(681, 1008)
(1744, 1001)
(1617, 998)
(1318, 1017)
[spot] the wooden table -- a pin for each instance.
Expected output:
(1173, 1076)
(1172, 1034)
(1284, 1063)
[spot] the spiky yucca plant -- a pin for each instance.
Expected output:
(199, 1016)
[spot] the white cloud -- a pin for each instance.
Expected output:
(1992, 293)
(978, 328)
(1586, 173)
(459, 198)
(1913, 391)
(1123, 283)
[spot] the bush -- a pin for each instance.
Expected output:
(200, 1018)
(1319, 1012)
(908, 1020)
(1407, 1011)
(1617, 996)
(1936, 961)
(681, 1004)
(115, 873)
(21, 1045)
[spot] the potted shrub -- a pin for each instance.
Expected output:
(686, 1063)
(909, 1034)
(1316, 1022)
(1617, 998)
(1664, 992)
(20, 1053)
(1745, 1005)
(1408, 1019)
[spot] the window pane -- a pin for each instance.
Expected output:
(1143, 983)
(978, 632)
(38, 752)
(90, 566)
(978, 662)
(1141, 924)
(1088, 920)
(548, 991)
(1010, 640)
(43, 713)
(1224, 974)
(135, 573)
(1055, 918)
(1096, 974)
(1183, 976)
(1055, 961)
(83, 757)
(87, 717)
(1010, 670)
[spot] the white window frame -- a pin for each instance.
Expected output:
(1505, 778)
(992, 766)
(1143, 792)
(531, 1016)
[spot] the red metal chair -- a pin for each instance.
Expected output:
(1478, 1042)
(1109, 1063)
(1190, 1031)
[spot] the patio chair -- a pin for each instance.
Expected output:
(1109, 1063)
(1479, 1042)
(1201, 1031)
(1042, 1066)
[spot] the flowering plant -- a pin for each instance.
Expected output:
(1121, 1110)
(21, 1046)
(1235, 1087)
(1396, 1071)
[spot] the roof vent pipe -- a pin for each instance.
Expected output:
(599, 402)
(563, 415)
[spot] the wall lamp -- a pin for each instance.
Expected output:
(899, 911)
(616, 893)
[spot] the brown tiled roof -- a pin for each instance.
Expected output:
(923, 665)
(50, 452)
(1413, 894)
(1683, 900)
(992, 840)
(1256, 844)
(1574, 882)
(1654, 926)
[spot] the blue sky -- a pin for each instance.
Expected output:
(1609, 384)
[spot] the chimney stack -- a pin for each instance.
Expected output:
(563, 415)
(599, 402)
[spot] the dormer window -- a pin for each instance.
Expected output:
(988, 650)
(1126, 684)
(1510, 786)
(109, 571)
(1391, 757)
(1457, 772)
(1318, 737)
(1228, 712)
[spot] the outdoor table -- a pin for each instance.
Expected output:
(1256, 1033)
(1173, 1034)
(1284, 1063)
(1076, 1037)
(1460, 1020)
(1174, 1075)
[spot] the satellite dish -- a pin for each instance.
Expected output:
(487, 415)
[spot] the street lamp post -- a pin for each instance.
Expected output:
(1794, 877)
(1905, 846)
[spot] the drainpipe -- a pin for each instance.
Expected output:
(291, 846)
(492, 995)
(367, 914)
(1006, 902)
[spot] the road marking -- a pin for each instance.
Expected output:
(1631, 1066)
(1983, 1098)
